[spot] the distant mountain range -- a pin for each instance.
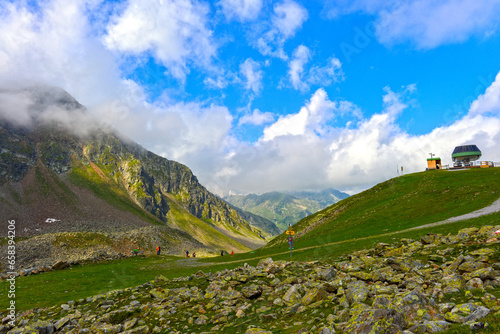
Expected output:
(286, 208)
(62, 171)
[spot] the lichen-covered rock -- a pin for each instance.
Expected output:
(387, 321)
(474, 283)
(454, 317)
(429, 238)
(464, 309)
(326, 274)
(471, 266)
(467, 232)
(292, 296)
(491, 302)
(479, 313)
(454, 282)
(429, 327)
(314, 295)
(251, 292)
(357, 292)
(362, 275)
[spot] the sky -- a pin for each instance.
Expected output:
(259, 95)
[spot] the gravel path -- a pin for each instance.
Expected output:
(495, 207)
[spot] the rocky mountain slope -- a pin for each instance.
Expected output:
(62, 171)
(429, 285)
(286, 208)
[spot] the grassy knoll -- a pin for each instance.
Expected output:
(400, 203)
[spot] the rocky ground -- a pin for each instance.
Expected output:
(412, 286)
(42, 253)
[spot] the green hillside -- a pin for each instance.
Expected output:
(398, 204)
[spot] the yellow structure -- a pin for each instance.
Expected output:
(433, 163)
(486, 164)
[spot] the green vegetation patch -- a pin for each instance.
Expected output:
(82, 239)
(84, 176)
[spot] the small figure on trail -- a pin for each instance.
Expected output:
(221, 253)
(135, 252)
(187, 253)
(158, 250)
(232, 253)
(194, 254)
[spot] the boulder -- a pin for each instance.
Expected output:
(292, 296)
(428, 238)
(491, 302)
(251, 292)
(314, 295)
(479, 313)
(60, 265)
(357, 291)
(376, 321)
(326, 274)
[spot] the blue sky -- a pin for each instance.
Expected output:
(257, 95)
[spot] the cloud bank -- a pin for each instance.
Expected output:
(424, 23)
(301, 151)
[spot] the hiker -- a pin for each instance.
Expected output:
(135, 252)
(221, 253)
(194, 254)
(158, 250)
(187, 253)
(232, 253)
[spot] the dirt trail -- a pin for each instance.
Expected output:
(495, 207)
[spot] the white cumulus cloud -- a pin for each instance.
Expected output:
(256, 117)
(302, 78)
(301, 57)
(175, 32)
(242, 10)
(287, 18)
(252, 74)
(425, 23)
(489, 102)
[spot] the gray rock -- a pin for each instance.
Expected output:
(479, 313)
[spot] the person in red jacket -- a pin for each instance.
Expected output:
(232, 253)
(158, 250)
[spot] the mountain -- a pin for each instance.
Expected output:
(286, 208)
(263, 224)
(63, 171)
(324, 197)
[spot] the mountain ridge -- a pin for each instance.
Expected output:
(96, 179)
(285, 208)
